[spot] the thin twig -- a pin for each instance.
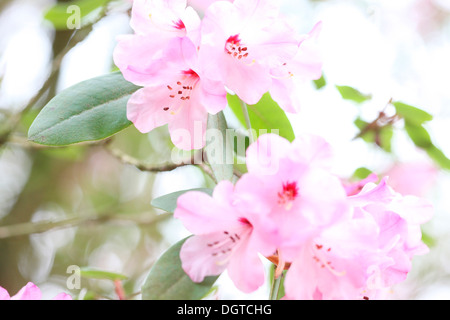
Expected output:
(27, 228)
(247, 121)
(129, 160)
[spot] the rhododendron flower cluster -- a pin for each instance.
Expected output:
(291, 209)
(30, 292)
(186, 64)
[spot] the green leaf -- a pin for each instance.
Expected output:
(168, 281)
(350, 93)
(412, 115)
(168, 202)
(264, 116)
(439, 157)
(219, 148)
(320, 83)
(91, 273)
(361, 173)
(384, 139)
(63, 14)
(368, 136)
(419, 135)
(90, 110)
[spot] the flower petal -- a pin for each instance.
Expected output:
(4, 295)
(246, 269)
(263, 156)
(146, 106)
(202, 214)
(197, 258)
(28, 292)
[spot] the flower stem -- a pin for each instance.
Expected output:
(247, 122)
(276, 284)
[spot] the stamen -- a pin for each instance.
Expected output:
(234, 48)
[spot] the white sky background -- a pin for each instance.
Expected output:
(387, 48)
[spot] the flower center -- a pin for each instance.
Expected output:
(235, 49)
(320, 257)
(288, 194)
(228, 241)
(179, 25)
(182, 89)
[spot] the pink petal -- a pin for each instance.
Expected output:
(313, 150)
(63, 296)
(168, 17)
(284, 93)
(4, 295)
(213, 95)
(197, 258)
(28, 292)
(300, 282)
(263, 156)
(249, 82)
(139, 57)
(202, 214)
(188, 128)
(246, 269)
(413, 178)
(146, 106)
(307, 63)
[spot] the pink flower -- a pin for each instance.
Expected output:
(296, 190)
(291, 209)
(30, 292)
(305, 65)
(412, 178)
(242, 42)
(353, 188)
(163, 58)
(227, 237)
(155, 24)
(202, 5)
(362, 257)
(331, 265)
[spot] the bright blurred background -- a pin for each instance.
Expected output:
(81, 206)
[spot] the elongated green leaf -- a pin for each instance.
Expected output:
(439, 157)
(419, 135)
(64, 15)
(412, 115)
(219, 147)
(168, 202)
(92, 273)
(264, 116)
(91, 110)
(350, 93)
(168, 281)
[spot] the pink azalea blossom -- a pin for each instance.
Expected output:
(242, 42)
(301, 196)
(155, 23)
(412, 178)
(364, 256)
(291, 209)
(305, 65)
(163, 58)
(227, 237)
(30, 292)
(202, 5)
